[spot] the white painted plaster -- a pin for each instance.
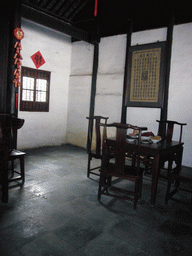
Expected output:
(82, 58)
(56, 49)
(78, 110)
(180, 88)
(112, 55)
(46, 128)
(108, 101)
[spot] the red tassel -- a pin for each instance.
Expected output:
(95, 11)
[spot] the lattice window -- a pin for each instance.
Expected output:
(35, 85)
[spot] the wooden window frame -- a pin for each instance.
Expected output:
(35, 106)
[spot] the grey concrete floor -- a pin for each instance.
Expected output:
(56, 212)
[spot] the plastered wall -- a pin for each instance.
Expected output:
(110, 79)
(71, 67)
(46, 128)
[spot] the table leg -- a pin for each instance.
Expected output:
(155, 177)
(4, 167)
(179, 156)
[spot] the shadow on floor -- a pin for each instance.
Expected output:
(56, 212)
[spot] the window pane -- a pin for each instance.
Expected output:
(41, 84)
(40, 96)
(27, 95)
(28, 83)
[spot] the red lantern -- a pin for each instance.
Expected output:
(18, 33)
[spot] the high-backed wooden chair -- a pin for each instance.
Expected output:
(178, 181)
(168, 126)
(8, 125)
(94, 142)
(117, 167)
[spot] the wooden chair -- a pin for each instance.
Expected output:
(168, 127)
(118, 167)
(9, 125)
(94, 142)
(175, 181)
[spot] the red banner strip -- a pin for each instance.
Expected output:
(95, 11)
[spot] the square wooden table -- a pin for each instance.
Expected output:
(160, 151)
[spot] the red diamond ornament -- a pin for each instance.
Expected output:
(38, 59)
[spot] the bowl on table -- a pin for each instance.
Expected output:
(156, 139)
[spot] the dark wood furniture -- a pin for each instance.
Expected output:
(117, 167)
(175, 182)
(168, 126)
(159, 152)
(9, 125)
(94, 142)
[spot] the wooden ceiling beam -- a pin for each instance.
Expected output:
(74, 9)
(65, 7)
(55, 23)
(72, 15)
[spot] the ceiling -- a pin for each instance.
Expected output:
(76, 17)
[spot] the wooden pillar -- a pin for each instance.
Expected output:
(12, 92)
(96, 39)
(94, 79)
(162, 128)
(4, 39)
(124, 108)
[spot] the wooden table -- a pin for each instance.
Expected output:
(162, 150)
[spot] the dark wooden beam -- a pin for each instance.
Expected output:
(94, 79)
(73, 8)
(4, 39)
(163, 117)
(94, 83)
(63, 7)
(72, 15)
(54, 23)
(124, 108)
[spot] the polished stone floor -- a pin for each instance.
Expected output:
(56, 212)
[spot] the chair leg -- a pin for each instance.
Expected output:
(101, 184)
(12, 168)
(89, 164)
(22, 166)
(140, 186)
(167, 196)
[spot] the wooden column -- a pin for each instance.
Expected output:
(4, 39)
(124, 108)
(94, 79)
(12, 92)
(96, 40)
(162, 128)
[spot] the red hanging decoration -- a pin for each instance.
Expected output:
(18, 34)
(95, 10)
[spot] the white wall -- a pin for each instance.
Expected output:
(110, 84)
(79, 93)
(46, 128)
